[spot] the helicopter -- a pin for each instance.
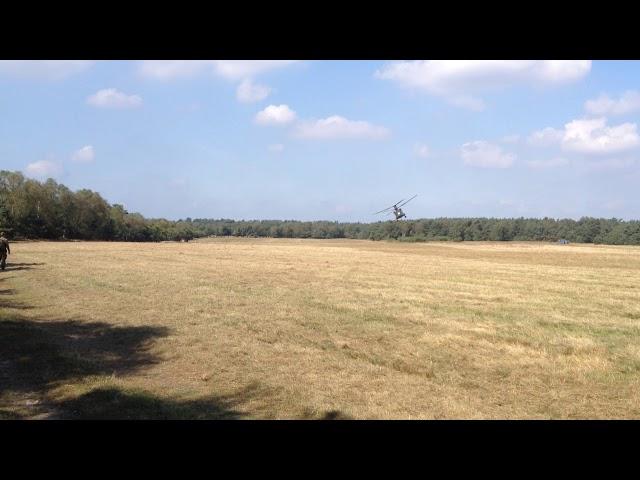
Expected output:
(397, 211)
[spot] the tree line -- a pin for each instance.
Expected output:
(48, 210)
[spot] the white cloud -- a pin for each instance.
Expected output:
(43, 69)
(456, 79)
(628, 102)
(545, 137)
(247, 92)
(84, 155)
(275, 115)
(551, 163)
(230, 69)
(485, 155)
(112, 98)
(276, 148)
(171, 69)
(421, 150)
(237, 69)
(595, 137)
(234, 70)
(43, 169)
(590, 136)
(337, 127)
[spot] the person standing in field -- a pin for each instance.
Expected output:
(4, 250)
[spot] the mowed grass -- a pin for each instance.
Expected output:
(275, 328)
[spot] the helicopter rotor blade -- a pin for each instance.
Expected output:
(382, 210)
(408, 201)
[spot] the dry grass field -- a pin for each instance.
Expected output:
(270, 328)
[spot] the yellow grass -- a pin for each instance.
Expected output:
(270, 328)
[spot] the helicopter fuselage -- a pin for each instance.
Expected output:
(398, 213)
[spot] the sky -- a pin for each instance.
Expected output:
(331, 140)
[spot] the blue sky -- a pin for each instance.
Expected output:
(331, 140)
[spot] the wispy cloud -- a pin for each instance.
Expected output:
(546, 137)
(43, 169)
(628, 102)
(486, 155)
(230, 69)
(248, 92)
(421, 150)
(337, 127)
(459, 81)
(85, 154)
(112, 98)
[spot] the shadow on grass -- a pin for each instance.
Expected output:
(37, 355)
(112, 404)
(15, 305)
(14, 267)
(5, 292)
(335, 415)
(24, 264)
(115, 404)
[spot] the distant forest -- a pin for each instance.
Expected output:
(30, 209)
